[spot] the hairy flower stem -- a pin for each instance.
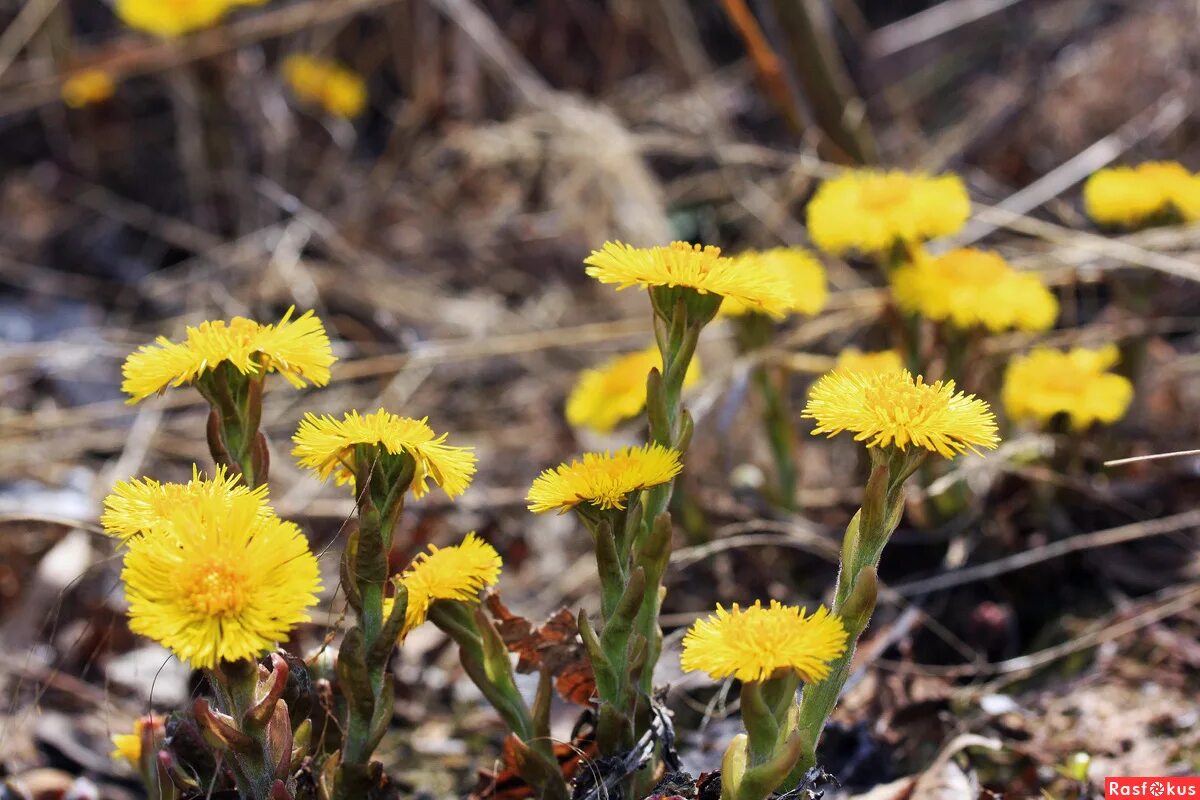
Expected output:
(234, 439)
(754, 332)
(381, 482)
(857, 586)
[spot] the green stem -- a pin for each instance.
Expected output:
(781, 433)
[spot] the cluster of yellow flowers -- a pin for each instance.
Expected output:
(1131, 196)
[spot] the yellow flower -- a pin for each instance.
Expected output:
(869, 211)
(756, 643)
(326, 84)
(325, 445)
(692, 266)
(854, 360)
(170, 18)
(297, 349)
(890, 408)
(795, 268)
(457, 573)
(969, 287)
(1048, 382)
(220, 582)
(88, 87)
(616, 390)
(1128, 196)
(128, 746)
(603, 479)
(140, 506)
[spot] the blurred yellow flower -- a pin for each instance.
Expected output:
(298, 349)
(616, 390)
(128, 746)
(891, 409)
(969, 287)
(88, 87)
(325, 445)
(795, 268)
(1047, 382)
(854, 360)
(170, 18)
(869, 211)
(220, 582)
(604, 480)
(757, 643)
(326, 84)
(692, 266)
(1129, 196)
(456, 573)
(143, 505)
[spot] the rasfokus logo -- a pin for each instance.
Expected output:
(1151, 787)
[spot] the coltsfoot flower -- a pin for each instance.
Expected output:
(757, 643)
(869, 211)
(170, 18)
(88, 87)
(220, 582)
(139, 506)
(796, 268)
(616, 390)
(325, 445)
(1047, 382)
(1130, 196)
(326, 84)
(456, 573)
(604, 480)
(891, 409)
(969, 288)
(702, 269)
(128, 746)
(298, 349)
(851, 359)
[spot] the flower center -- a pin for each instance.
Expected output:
(216, 589)
(884, 191)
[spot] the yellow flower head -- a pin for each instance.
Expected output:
(1129, 196)
(868, 211)
(616, 390)
(170, 18)
(795, 268)
(603, 479)
(326, 84)
(88, 87)
(1048, 382)
(757, 643)
(128, 746)
(220, 582)
(890, 408)
(140, 506)
(692, 266)
(325, 445)
(457, 573)
(854, 360)
(969, 287)
(298, 349)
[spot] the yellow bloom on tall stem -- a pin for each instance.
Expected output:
(616, 390)
(969, 288)
(171, 18)
(457, 573)
(702, 269)
(851, 359)
(1047, 382)
(220, 582)
(298, 349)
(757, 643)
(870, 211)
(325, 445)
(326, 84)
(139, 506)
(604, 480)
(891, 409)
(1130, 196)
(795, 268)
